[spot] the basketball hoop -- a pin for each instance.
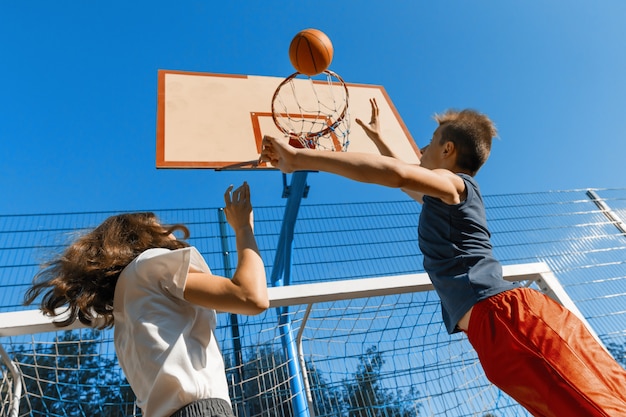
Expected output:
(313, 113)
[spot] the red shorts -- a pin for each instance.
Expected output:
(544, 357)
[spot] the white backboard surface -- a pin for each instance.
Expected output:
(214, 121)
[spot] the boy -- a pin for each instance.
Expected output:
(529, 346)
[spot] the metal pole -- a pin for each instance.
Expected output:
(606, 210)
(14, 399)
(281, 275)
(305, 376)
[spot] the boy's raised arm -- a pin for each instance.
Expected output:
(372, 130)
(365, 167)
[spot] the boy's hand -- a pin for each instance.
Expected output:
(279, 153)
(372, 130)
(238, 208)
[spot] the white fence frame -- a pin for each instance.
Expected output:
(33, 321)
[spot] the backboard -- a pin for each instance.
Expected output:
(217, 121)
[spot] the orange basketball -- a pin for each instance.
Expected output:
(311, 52)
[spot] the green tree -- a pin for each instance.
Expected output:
(619, 352)
(327, 401)
(365, 395)
(264, 387)
(70, 378)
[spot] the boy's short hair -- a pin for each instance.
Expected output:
(471, 132)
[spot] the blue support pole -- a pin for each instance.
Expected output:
(281, 275)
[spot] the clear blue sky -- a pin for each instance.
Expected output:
(79, 78)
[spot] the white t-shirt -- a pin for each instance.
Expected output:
(165, 344)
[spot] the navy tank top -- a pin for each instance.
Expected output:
(457, 250)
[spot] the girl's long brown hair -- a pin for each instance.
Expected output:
(83, 277)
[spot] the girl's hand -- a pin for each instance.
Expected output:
(238, 208)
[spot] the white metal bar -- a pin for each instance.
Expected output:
(33, 321)
(17, 383)
(550, 285)
(30, 322)
(379, 286)
(301, 358)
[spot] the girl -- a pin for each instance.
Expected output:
(159, 293)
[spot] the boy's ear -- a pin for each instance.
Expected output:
(448, 149)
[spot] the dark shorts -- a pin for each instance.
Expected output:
(212, 407)
(544, 357)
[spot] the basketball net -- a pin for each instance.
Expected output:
(313, 113)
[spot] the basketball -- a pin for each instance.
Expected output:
(311, 52)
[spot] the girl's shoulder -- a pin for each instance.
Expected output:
(172, 260)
